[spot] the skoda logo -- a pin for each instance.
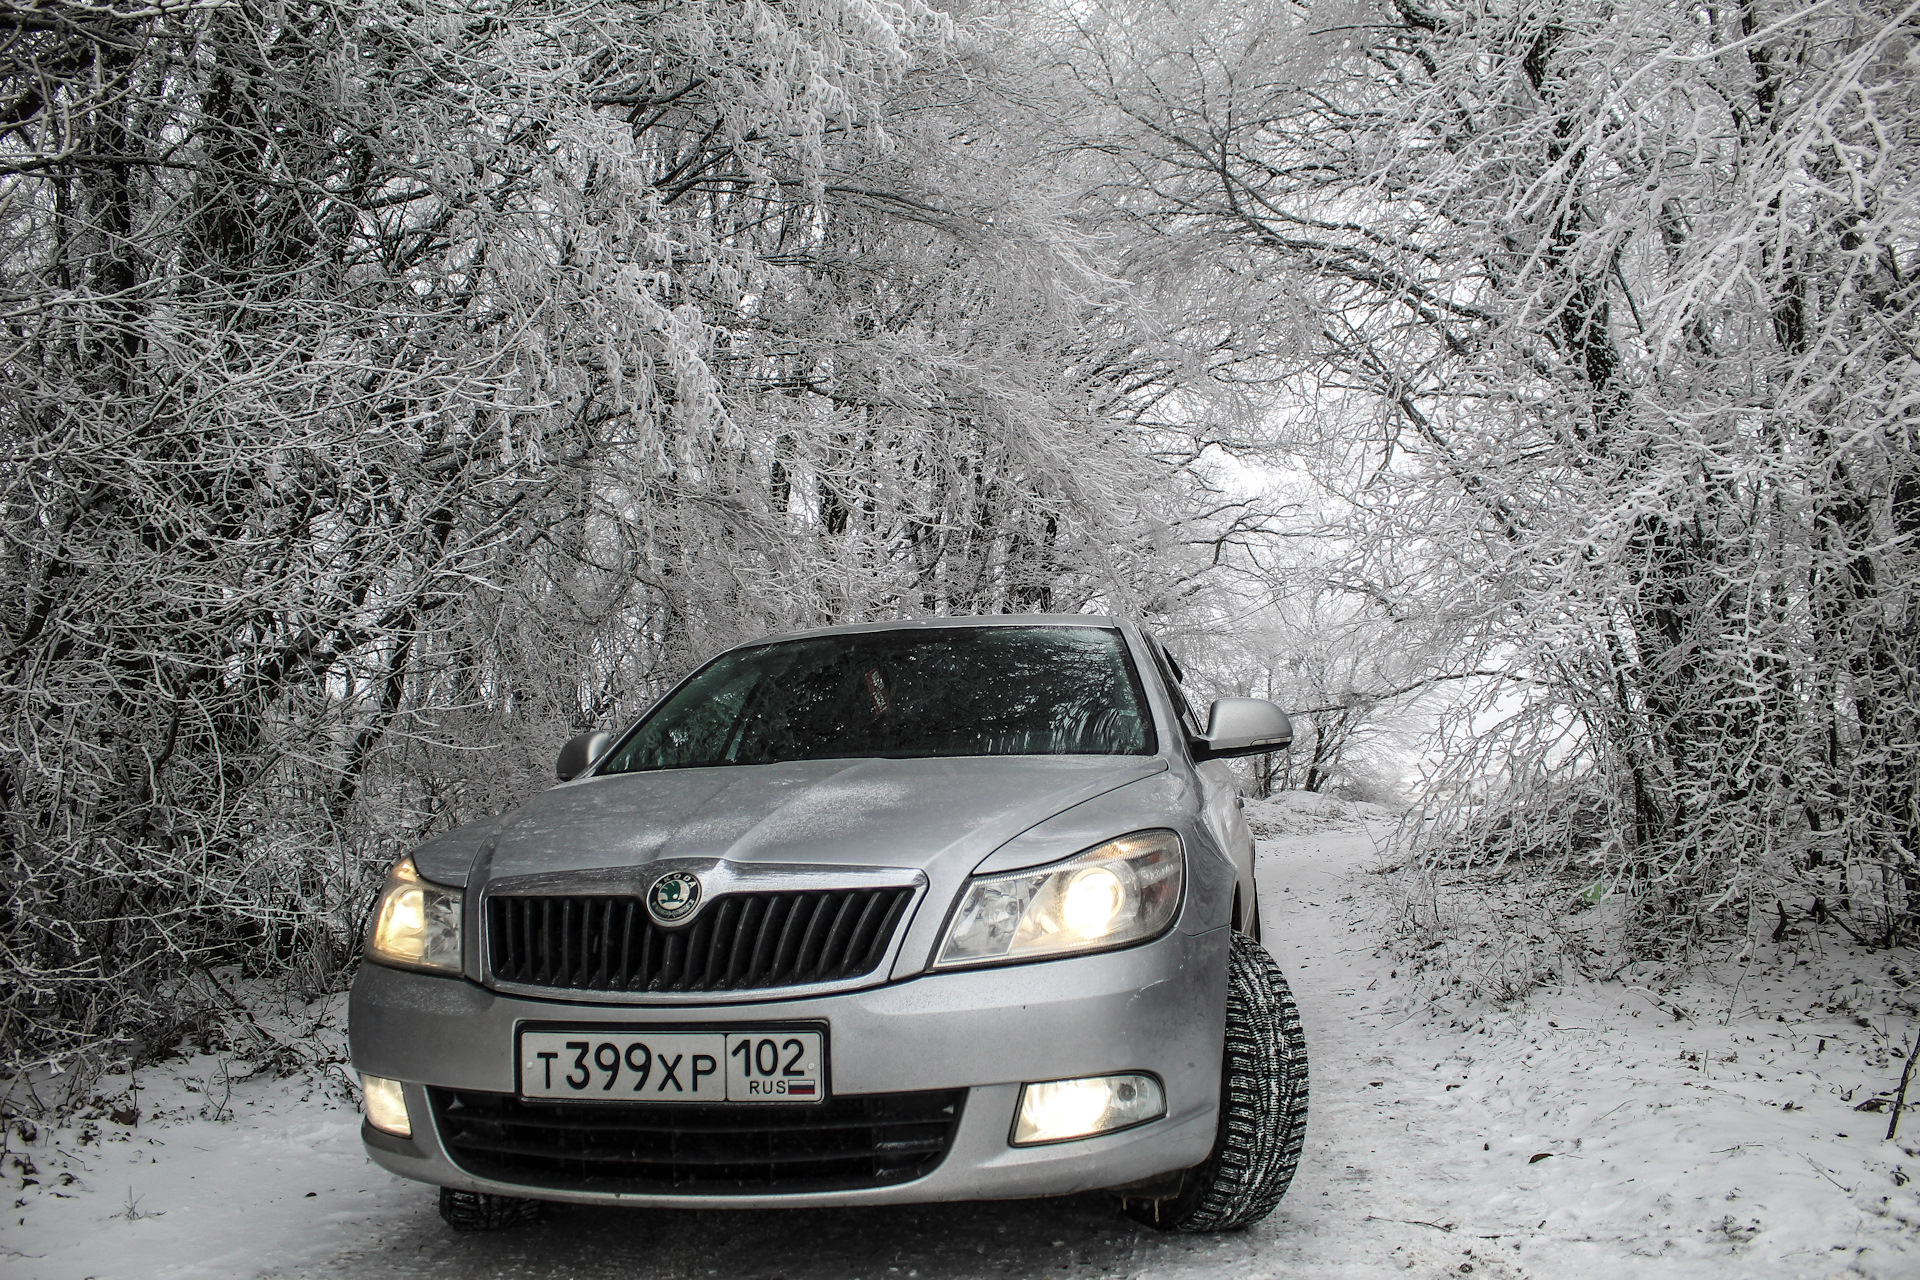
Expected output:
(673, 897)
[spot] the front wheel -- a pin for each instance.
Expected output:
(479, 1211)
(1263, 1108)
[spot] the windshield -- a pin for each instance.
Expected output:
(937, 691)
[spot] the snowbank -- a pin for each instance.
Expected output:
(1297, 813)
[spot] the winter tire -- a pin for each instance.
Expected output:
(478, 1211)
(1263, 1108)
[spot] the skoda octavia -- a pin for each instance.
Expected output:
(955, 909)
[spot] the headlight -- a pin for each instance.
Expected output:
(1120, 892)
(415, 924)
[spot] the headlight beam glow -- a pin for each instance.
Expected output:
(1061, 1110)
(386, 1105)
(1124, 891)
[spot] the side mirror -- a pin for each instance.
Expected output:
(582, 750)
(1243, 727)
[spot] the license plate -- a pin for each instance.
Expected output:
(674, 1066)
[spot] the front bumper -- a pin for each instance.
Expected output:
(1158, 1008)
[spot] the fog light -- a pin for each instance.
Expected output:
(1062, 1109)
(386, 1106)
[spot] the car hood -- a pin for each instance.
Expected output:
(923, 814)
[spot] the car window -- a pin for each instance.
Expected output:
(1170, 679)
(936, 691)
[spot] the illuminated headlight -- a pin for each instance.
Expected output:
(1062, 1109)
(1120, 892)
(386, 1106)
(415, 924)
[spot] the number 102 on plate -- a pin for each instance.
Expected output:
(673, 1066)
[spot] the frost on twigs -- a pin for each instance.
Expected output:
(253, 1029)
(1607, 368)
(1537, 898)
(1476, 936)
(390, 390)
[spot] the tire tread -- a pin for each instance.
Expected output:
(1263, 1107)
(479, 1211)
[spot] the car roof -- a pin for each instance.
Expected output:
(1101, 620)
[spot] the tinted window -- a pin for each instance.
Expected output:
(939, 691)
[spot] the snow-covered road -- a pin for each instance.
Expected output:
(1589, 1134)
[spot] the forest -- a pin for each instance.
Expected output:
(1525, 395)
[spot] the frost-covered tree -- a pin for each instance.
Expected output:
(1601, 319)
(389, 389)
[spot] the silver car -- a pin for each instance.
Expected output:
(942, 910)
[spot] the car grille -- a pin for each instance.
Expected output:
(742, 941)
(875, 1140)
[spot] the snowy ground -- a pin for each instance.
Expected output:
(1587, 1132)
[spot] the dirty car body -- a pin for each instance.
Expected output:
(767, 948)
